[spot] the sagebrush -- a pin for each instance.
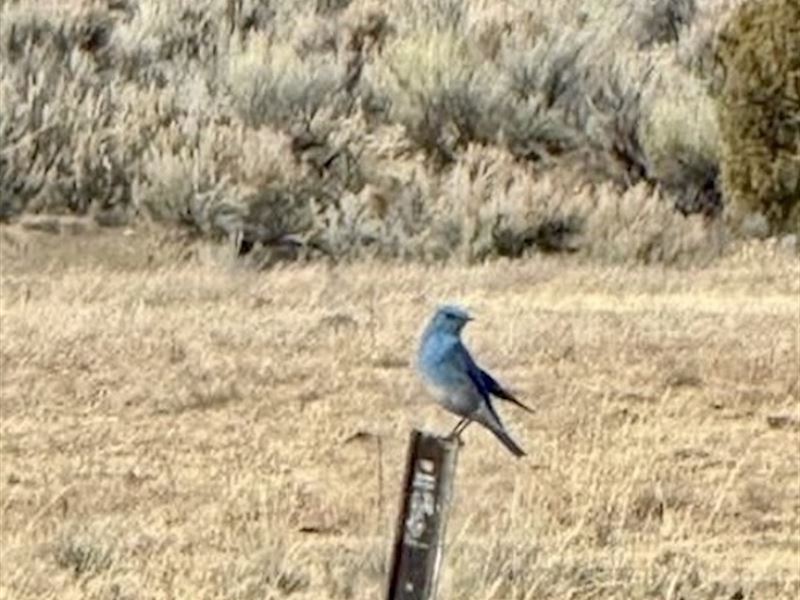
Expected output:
(195, 113)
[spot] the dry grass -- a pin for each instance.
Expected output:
(179, 428)
(175, 424)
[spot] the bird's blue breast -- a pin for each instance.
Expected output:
(435, 360)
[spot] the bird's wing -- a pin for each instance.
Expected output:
(496, 389)
(486, 383)
(472, 370)
(475, 375)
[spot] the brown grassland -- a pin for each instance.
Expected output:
(177, 426)
(223, 224)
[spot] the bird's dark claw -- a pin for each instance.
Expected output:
(454, 437)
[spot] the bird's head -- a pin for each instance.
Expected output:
(450, 319)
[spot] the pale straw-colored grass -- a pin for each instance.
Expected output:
(174, 426)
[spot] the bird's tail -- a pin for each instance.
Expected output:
(488, 417)
(513, 447)
(513, 400)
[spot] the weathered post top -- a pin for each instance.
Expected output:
(427, 491)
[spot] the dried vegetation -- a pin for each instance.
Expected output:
(343, 128)
(176, 426)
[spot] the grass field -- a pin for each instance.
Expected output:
(175, 426)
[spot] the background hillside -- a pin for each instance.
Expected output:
(425, 130)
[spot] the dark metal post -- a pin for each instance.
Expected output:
(427, 492)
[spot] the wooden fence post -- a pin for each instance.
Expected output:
(427, 492)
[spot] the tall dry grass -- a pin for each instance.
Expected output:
(173, 425)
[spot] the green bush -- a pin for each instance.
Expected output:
(759, 112)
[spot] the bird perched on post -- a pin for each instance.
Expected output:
(456, 381)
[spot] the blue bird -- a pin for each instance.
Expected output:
(456, 381)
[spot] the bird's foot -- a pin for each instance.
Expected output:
(454, 437)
